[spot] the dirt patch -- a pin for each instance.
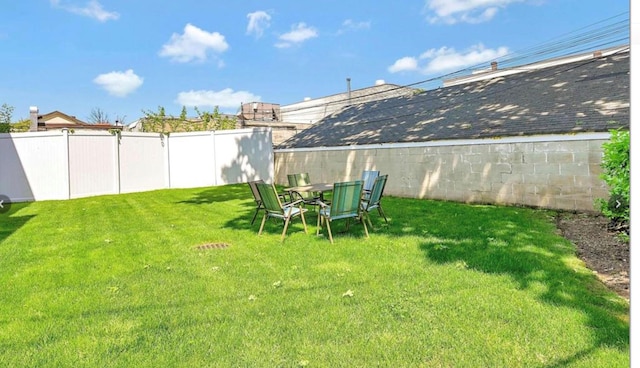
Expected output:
(599, 247)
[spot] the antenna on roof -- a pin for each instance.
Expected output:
(349, 91)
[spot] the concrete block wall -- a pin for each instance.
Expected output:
(556, 172)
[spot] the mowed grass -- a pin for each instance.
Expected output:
(119, 281)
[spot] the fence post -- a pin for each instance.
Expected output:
(164, 141)
(116, 165)
(65, 138)
(215, 162)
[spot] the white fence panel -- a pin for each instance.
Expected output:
(242, 155)
(142, 162)
(191, 160)
(33, 166)
(93, 164)
(62, 165)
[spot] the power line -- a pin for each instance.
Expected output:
(589, 37)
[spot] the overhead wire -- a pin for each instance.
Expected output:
(580, 40)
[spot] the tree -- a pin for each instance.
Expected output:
(98, 116)
(6, 112)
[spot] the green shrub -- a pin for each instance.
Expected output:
(616, 173)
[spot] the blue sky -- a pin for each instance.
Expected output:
(124, 57)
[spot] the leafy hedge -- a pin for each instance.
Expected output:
(616, 173)
(21, 126)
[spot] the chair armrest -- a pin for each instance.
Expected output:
(292, 204)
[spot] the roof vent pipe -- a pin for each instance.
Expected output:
(349, 91)
(597, 54)
(494, 65)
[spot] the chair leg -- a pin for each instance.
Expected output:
(366, 214)
(303, 222)
(264, 219)
(318, 225)
(255, 215)
(284, 231)
(365, 228)
(381, 212)
(329, 229)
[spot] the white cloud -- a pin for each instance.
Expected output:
(351, 25)
(448, 59)
(226, 98)
(405, 64)
(119, 84)
(299, 33)
(467, 11)
(445, 59)
(193, 44)
(92, 9)
(258, 22)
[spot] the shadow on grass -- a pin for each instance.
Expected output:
(222, 194)
(10, 222)
(520, 243)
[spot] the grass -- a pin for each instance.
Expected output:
(119, 281)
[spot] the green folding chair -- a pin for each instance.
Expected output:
(345, 204)
(299, 180)
(369, 177)
(274, 208)
(372, 201)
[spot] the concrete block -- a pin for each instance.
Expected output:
(574, 169)
(568, 204)
(511, 178)
(501, 147)
(548, 168)
(522, 147)
(535, 158)
(480, 149)
(537, 179)
(561, 180)
(560, 157)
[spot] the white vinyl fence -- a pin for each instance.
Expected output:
(63, 165)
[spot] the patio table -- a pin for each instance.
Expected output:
(317, 187)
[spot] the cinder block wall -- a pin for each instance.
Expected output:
(556, 172)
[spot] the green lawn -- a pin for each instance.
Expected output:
(119, 281)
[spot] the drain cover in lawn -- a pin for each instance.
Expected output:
(213, 246)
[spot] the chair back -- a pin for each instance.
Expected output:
(270, 198)
(369, 177)
(346, 199)
(376, 191)
(291, 178)
(298, 180)
(254, 190)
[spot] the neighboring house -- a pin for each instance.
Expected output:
(588, 95)
(311, 111)
(530, 135)
(59, 120)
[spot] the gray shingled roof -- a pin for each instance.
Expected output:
(583, 96)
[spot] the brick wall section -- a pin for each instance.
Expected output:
(558, 172)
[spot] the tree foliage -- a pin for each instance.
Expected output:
(616, 173)
(160, 122)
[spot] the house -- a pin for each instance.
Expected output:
(311, 111)
(59, 120)
(530, 135)
(588, 95)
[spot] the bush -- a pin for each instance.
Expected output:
(616, 173)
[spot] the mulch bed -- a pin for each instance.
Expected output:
(600, 247)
